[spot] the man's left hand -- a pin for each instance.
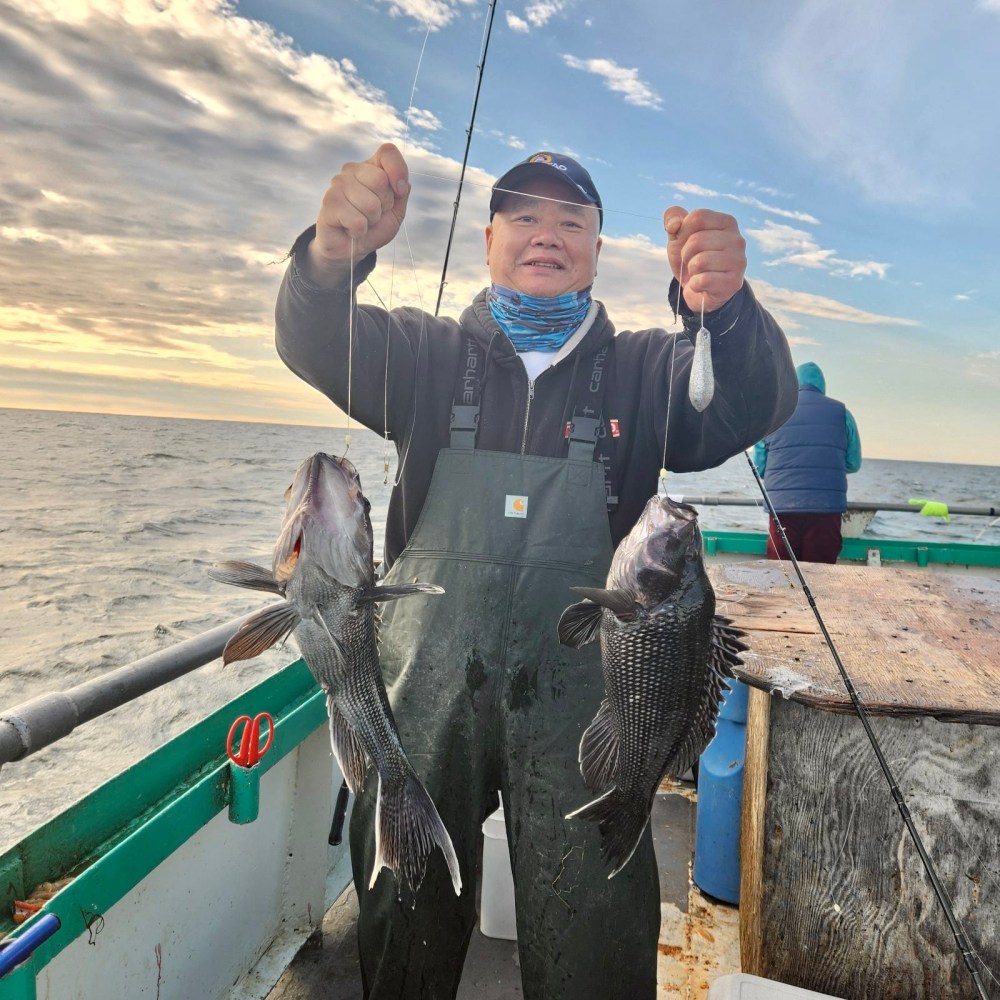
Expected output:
(707, 255)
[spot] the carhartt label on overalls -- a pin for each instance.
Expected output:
(516, 506)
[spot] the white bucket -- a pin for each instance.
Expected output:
(496, 918)
(741, 986)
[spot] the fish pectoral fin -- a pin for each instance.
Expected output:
(621, 603)
(347, 747)
(260, 632)
(393, 591)
(245, 574)
(338, 647)
(580, 624)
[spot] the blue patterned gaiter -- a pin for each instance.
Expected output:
(537, 323)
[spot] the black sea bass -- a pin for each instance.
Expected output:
(665, 656)
(323, 568)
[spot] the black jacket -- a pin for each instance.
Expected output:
(756, 387)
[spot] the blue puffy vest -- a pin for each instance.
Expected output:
(805, 471)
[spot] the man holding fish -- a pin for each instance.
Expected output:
(530, 437)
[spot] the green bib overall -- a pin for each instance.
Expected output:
(486, 699)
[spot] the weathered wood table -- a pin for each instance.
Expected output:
(834, 897)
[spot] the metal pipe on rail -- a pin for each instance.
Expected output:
(723, 501)
(40, 721)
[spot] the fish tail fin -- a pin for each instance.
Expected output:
(407, 829)
(621, 819)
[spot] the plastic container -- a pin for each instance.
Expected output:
(720, 802)
(496, 917)
(741, 986)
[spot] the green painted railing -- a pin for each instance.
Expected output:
(115, 836)
(752, 543)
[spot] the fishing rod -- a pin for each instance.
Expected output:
(862, 712)
(468, 142)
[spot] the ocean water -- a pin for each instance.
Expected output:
(108, 524)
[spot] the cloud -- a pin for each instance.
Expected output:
(860, 103)
(984, 368)
(516, 23)
(633, 275)
(419, 118)
(786, 245)
(619, 79)
(508, 140)
(540, 12)
(697, 191)
(820, 306)
(431, 14)
(145, 235)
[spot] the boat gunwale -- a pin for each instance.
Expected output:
(114, 836)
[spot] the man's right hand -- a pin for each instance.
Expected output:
(362, 211)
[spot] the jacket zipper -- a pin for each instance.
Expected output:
(527, 414)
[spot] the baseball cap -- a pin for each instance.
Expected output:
(547, 164)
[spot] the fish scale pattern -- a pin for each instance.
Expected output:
(659, 684)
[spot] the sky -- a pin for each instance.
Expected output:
(158, 159)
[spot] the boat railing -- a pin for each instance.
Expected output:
(28, 727)
(914, 507)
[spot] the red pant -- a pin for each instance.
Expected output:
(812, 537)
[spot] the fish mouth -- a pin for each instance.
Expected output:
(657, 555)
(326, 522)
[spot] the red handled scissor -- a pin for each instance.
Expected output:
(250, 750)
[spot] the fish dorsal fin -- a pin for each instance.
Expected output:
(347, 747)
(725, 646)
(245, 574)
(599, 750)
(393, 591)
(260, 632)
(580, 624)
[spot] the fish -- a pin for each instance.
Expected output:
(666, 657)
(322, 566)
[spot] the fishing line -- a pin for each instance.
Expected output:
(673, 359)
(779, 556)
(480, 69)
(422, 332)
(964, 947)
(558, 201)
(350, 350)
(392, 275)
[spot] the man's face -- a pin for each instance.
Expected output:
(543, 240)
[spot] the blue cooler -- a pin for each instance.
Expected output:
(720, 801)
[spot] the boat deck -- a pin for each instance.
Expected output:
(699, 937)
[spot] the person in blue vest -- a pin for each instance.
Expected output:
(805, 463)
